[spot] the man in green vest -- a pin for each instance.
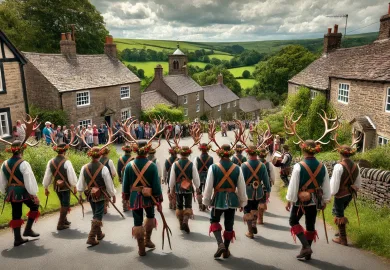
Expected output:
(226, 185)
(203, 163)
(308, 190)
(61, 171)
(285, 166)
(184, 176)
(255, 176)
(18, 183)
(142, 188)
(238, 158)
(96, 182)
(271, 176)
(344, 184)
(166, 175)
(122, 162)
(106, 161)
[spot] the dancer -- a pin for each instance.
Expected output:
(238, 158)
(122, 162)
(106, 161)
(203, 163)
(173, 151)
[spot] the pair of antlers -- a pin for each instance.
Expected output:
(110, 140)
(262, 139)
(127, 126)
(239, 134)
(73, 137)
(355, 140)
(195, 133)
(29, 128)
(291, 126)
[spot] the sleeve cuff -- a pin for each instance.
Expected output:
(206, 201)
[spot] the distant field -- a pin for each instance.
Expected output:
(148, 67)
(221, 56)
(199, 64)
(237, 72)
(246, 83)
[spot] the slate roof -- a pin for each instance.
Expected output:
(150, 99)
(218, 94)
(84, 72)
(370, 63)
(178, 52)
(251, 104)
(365, 122)
(182, 85)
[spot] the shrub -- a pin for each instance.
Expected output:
(246, 74)
(378, 157)
(162, 110)
(57, 117)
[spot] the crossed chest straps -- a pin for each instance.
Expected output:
(12, 176)
(94, 176)
(226, 178)
(57, 171)
(124, 163)
(238, 160)
(254, 175)
(140, 176)
(170, 164)
(182, 174)
(204, 167)
(349, 179)
(312, 177)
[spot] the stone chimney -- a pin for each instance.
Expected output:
(68, 45)
(158, 72)
(384, 29)
(220, 78)
(110, 47)
(332, 41)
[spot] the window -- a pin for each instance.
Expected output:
(197, 96)
(219, 108)
(185, 112)
(82, 98)
(197, 107)
(125, 92)
(4, 125)
(235, 103)
(175, 64)
(185, 98)
(125, 114)
(313, 94)
(85, 123)
(235, 115)
(228, 105)
(343, 96)
(388, 100)
(382, 140)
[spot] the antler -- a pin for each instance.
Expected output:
(212, 133)
(196, 135)
(335, 125)
(29, 122)
(73, 138)
(82, 138)
(266, 136)
(356, 140)
(240, 135)
(159, 129)
(111, 135)
(126, 128)
(291, 126)
(168, 137)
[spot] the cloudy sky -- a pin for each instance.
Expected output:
(236, 20)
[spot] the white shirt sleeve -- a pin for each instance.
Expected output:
(112, 168)
(165, 173)
(241, 190)
(336, 178)
(293, 187)
(3, 180)
(71, 174)
(195, 162)
(271, 173)
(172, 179)
(159, 169)
(81, 185)
(285, 158)
(48, 178)
(195, 176)
(108, 182)
(326, 187)
(358, 181)
(209, 187)
(30, 183)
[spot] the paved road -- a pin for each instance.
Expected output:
(273, 247)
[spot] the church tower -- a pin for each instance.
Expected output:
(178, 63)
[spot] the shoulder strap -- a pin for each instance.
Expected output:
(254, 172)
(182, 170)
(121, 160)
(349, 171)
(12, 172)
(226, 176)
(93, 177)
(57, 169)
(140, 174)
(239, 160)
(311, 175)
(204, 163)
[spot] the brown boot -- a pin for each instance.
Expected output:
(187, 214)
(179, 215)
(99, 234)
(105, 206)
(260, 214)
(248, 219)
(149, 224)
(199, 198)
(125, 206)
(61, 221)
(342, 238)
(254, 225)
(138, 233)
(92, 234)
(226, 254)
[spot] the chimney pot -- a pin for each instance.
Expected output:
(110, 47)
(220, 78)
(336, 28)
(109, 39)
(329, 31)
(63, 36)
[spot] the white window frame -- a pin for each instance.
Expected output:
(124, 92)
(228, 105)
(2, 86)
(125, 114)
(235, 103)
(89, 98)
(219, 108)
(198, 107)
(314, 94)
(7, 132)
(235, 115)
(85, 122)
(185, 99)
(383, 140)
(343, 93)
(197, 96)
(185, 111)
(387, 105)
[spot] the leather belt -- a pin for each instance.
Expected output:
(138, 189)
(225, 190)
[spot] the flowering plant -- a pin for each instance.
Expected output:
(224, 153)
(105, 151)
(185, 152)
(14, 149)
(94, 153)
(173, 150)
(346, 151)
(142, 151)
(311, 150)
(204, 147)
(252, 152)
(127, 148)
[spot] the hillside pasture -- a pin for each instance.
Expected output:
(237, 72)
(148, 67)
(221, 56)
(246, 83)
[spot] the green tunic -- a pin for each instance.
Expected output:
(238, 159)
(256, 194)
(168, 165)
(57, 160)
(200, 161)
(104, 161)
(121, 165)
(188, 174)
(99, 180)
(137, 200)
(225, 199)
(15, 192)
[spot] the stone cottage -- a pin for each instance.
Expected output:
(356, 81)
(250, 107)
(90, 88)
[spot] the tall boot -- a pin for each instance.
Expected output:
(105, 205)
(298, 231)
(138, 233)
(248, 218)
(228, 238)
(67, 222)
(199, 198)
(216, 229)
(61, 221)
(32, 216)
(149, 224)
(310, 236)
(341, 224)
(16, 226)
(179, 215)
(125, 206)
(260, 217)
(254, 225)
(187, 214)
(92, 233)
(99, 234)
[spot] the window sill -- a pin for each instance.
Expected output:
(5, 137)
(83, 106)
(342, 102)
(125, 98)
(3, 92)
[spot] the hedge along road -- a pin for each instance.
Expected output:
(272, 248)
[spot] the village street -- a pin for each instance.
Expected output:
(272, 248)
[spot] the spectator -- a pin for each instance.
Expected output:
(66, 134)
(89, 136)
(38, 134)
(147, 131)
(59, 135)
(47, 131)
(136, 129)
(101, 134)
(177, 129)
(15, 133)
(95, 134)
(105, 130)
(20, 129)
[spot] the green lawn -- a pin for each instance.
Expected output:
(199, 64)
(237, 72)
(221, 56)
(148, 67)
(246, 83)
